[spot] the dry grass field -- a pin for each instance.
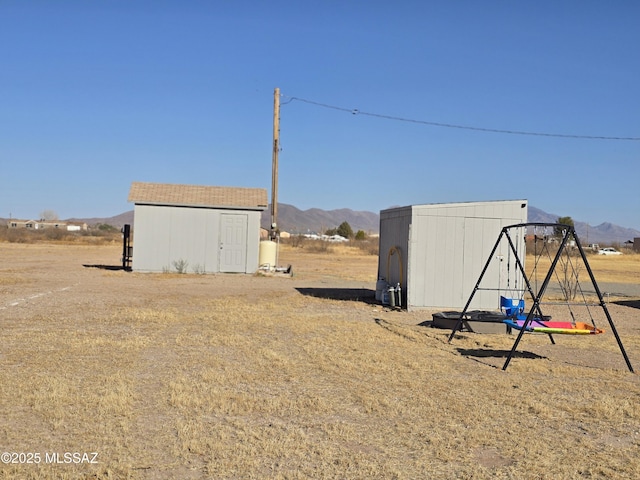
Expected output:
(168, 376)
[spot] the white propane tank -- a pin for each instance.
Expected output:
(267, 254)
(381, 285)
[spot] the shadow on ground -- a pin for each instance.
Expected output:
(364, 295)
(628, 303)
(427, 323)
(108, 267)
(488, 353)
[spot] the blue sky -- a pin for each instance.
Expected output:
(97, 94)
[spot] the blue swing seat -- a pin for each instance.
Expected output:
(512, 308)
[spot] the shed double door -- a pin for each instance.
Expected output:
(233, 243)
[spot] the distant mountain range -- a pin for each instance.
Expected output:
(604, 233)
(294, 220)
(314, 220)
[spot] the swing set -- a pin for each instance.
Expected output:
(534, 321)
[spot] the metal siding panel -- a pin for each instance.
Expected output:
(420, 279)
(253, 242)
(211, 247)
(198, 244)
(411, 262)
(180, 233)
(467, 210)
(437, 242)
(151, 238)
(450, 252)
(188, 237)
(440, 275)
(472, 249)
(457, 262)
(480, 237)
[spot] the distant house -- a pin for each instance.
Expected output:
(36, 224)
(204, 229)
(326, 238)
(46, 224)
(76, 227)
(15, 223)
(636, 244)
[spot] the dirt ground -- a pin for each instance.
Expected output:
(38, 278)
(123, 328)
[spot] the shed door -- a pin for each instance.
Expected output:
(233, 242)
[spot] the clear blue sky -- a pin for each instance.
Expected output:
(97, 94)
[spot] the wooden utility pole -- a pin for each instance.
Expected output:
(274, 164)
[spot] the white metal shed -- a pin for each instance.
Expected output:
(205, 229)
(437, 251)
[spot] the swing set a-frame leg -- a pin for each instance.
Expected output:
(604, 306)
(514, 348)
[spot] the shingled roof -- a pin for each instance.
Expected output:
(197, 196)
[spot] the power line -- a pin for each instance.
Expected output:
(355, 111)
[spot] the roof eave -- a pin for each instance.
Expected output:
(213, 207)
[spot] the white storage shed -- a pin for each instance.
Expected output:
(196, 229)
(437, 251)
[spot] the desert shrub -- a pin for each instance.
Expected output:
(296, 241)
(98, 236)
(198, 269)
(101, 236)
(369, 245)
(57, 235)
(54, 234)
(319, 246)
(180, 265)
(15, 235)
(105, 227)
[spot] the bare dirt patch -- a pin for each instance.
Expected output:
(237, 376)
